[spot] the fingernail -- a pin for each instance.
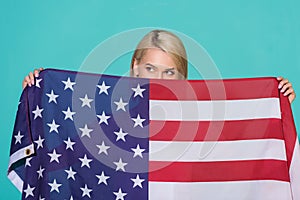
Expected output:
(279, 86)
(282, 90)
(284, 94)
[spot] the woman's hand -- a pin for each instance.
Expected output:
(286, 88)
(29, 79)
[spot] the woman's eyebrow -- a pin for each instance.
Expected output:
(170, 69)
(151, 65)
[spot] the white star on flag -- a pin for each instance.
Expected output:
(102, 178)
(52, 97)
(103, 88)
(103, 148)
(137, 181)
(138, 151)
(53, 126)
(39, 142)
(69, 84)
(121, 135)
(138, 91)
(37, 82)
(18, 137)
(27, 162)
(86, 131)
(85, 161)
(103, 118)
(120, 195)
(54, 186)
(68, 114)
(29, 191)
(86, 101)
(71, 173)
(41, 198)
(54, 156)
(120, 104)
(40, 172)
(37, 112)
(138, 121)
(69, 144)
(120, 165)
(86, 191)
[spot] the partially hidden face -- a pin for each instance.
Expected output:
(158, 64)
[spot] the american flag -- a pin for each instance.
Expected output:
(90, 136)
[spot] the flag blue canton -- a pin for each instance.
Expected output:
(85, 136)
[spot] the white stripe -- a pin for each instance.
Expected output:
(217, 151)
(215, 110)
(20, 154)
(294, 171)
(16, 180)
(236, 190)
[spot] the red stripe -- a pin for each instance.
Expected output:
(288, 126)
(216, 130)
(249, 88)
(218, 171)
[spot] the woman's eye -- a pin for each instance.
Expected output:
(150, 69)
(170, 73)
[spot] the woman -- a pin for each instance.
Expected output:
(161, 54)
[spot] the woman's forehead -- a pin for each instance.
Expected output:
(160, 67)
(158, 58)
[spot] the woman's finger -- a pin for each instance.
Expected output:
(31, 78)
(289, 91)
(36, 72)
(26, 82)
(291, 95)
(282, 82)
(286, 86)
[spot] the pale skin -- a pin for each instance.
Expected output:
(158, 64)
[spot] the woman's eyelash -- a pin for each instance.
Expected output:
(149, 68)
(170, 72)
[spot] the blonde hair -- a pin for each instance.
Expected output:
(167, 42)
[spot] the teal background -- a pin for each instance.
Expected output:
(244, 38)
